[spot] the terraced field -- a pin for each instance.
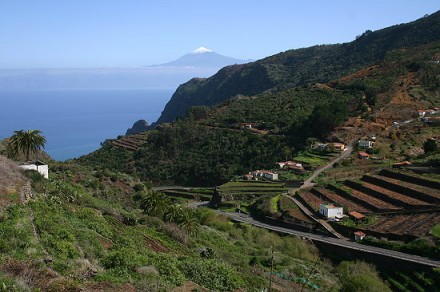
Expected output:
(312, 201)
(131, 142)
(386, 194)
(404, 203)
(370, 201)
(339, 200)
(426, 194)
(412, 224)
(251, 187)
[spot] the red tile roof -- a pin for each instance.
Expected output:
(359, 233)
(356, 215)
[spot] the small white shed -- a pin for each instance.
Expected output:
(39, 166)
(330, 211)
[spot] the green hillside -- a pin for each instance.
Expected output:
(302, 66)
(210, 145)
(84, 230)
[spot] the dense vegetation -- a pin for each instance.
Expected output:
(92, 229)
(210, 146)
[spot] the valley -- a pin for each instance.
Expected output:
(312, 169)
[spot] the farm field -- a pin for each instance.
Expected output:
(292, 210)
(252, 187)
(403, 203)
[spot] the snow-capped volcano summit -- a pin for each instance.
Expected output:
(204, 58)
(201, 50)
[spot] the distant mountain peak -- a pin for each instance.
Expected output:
(202, 50)
(204, 58)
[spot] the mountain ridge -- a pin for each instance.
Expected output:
(203, 57)
(320, 63)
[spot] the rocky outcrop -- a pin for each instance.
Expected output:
(26, 192)
(138, 127)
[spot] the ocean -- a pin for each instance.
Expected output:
(75, 122)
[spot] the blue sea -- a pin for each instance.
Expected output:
(75, 122)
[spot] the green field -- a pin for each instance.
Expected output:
(246, 187)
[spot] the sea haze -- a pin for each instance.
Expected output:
(75, 122)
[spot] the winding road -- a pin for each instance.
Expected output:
(339, 240)
(240, 217)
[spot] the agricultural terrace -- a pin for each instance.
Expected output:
(402, 203)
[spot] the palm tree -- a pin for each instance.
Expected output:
(26, 142)
(189, 224)
(155, 203)
(173, 214)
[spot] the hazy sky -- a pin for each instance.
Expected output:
(107, 33)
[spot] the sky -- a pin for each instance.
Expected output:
(130, 33)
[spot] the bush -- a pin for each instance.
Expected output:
(174, 231)
(360, 276)
(211, 274)
(123, 259)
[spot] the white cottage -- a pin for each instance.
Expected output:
(330, 211)
(39, 166)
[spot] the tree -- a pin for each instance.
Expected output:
(430, 146)
(26, 142)
(360, 276)
(189, 224)
(155, 203)
(173, 214)
(311, 141)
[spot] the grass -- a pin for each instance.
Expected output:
(313, 161)
(274, 204)
(435, 231)
(82, 228)
(369, 220)
(245, 190)
(241, 184)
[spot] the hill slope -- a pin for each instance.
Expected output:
(83, 231)
(211, 145)
(297, 67)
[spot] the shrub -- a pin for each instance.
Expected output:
(360, 276)
(175, 231)
(123, 259)
(168, 267)
(211, 274)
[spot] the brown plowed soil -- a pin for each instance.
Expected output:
(412, 224)
(370, 199)
(428, 191)
(155, 245)
(394, 195)
(341, 201)
(311, 199)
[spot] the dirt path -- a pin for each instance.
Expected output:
(309, 183)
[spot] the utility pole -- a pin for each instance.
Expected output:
(271, 272)
(310, 274)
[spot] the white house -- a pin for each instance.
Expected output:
(365, 144)
(42, 168)
(289, 164)
(330, 211)
(265, 173)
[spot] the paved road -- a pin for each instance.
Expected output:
(240, 217)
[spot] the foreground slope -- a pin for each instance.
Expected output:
(84, 232)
